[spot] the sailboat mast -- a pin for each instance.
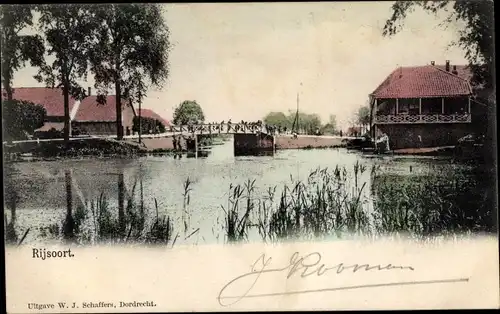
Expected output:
(297, 114)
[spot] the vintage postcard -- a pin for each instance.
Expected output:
(249, 156)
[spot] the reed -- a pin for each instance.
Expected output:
(237, 218)
(99, 225)
(323, 205)
(186, 195)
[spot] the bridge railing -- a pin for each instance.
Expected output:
(209, 128)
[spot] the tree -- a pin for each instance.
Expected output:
(146, 124)
(331, 126)
(132, 50)
(16, 48)
(21, 118)
(476, 38)
(310, 123)
(278, 119)
(189, 111)
(70, 33)
(363, 117)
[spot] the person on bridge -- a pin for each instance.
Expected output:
(228, 126)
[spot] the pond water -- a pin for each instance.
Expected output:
(41, 187)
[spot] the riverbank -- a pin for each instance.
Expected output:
(74, 148)
(306, 142)
(426, 151)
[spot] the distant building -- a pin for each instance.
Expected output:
(148, 113)
(51, 99)
(86, 116)
(94, 118)
(423, 106)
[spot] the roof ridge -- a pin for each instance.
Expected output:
(448, 72)
(35, 87)
(455, 75)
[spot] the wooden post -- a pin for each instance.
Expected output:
(140, 122)
(469, 106)
(397, 105)
(420, 106)
(374, 119)
(442, 105)
(274, 145)
(69, 223)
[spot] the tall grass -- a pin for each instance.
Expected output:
(438, 203)
(336, 202)
(327, 203)
(100, 225)
(237, 218)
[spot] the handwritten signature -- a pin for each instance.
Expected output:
(305, 266)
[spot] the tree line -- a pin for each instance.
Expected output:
(307, 123)
(124, 46)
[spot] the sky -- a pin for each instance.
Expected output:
(243, 60)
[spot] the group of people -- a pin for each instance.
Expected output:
(230, 127)
(213, 127)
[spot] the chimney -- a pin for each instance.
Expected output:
(454, 70)
(432, 62)
(447, 66)
(90, 91)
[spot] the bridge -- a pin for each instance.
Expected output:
(249, 138)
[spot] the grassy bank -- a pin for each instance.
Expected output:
(437, 203)
(75, 148)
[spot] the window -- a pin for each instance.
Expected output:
(408, 106)
(458, 105)
(431, 105)
(386, 106)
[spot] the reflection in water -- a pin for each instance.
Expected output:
(121, 205)
(10, 199)
(69, 222)
(224, 197)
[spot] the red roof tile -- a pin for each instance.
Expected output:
(51, 99)
(91, 110)
(425, 81)
(151, 114)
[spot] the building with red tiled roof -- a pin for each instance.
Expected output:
(86, 116)
(52, 99)
(148, 113)
(423, 106)
(100, 119)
